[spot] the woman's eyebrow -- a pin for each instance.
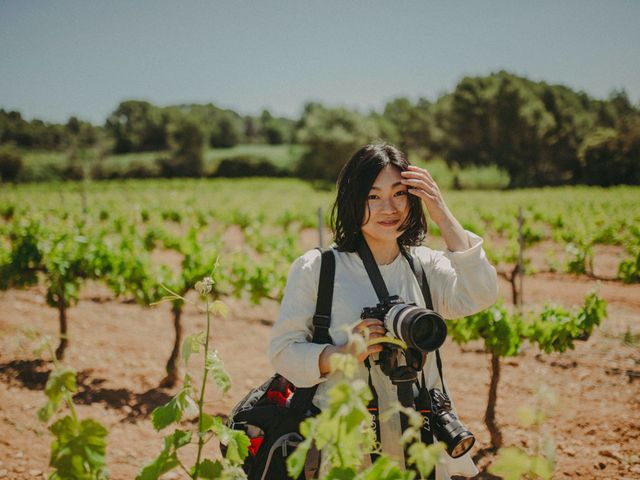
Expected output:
(379, 188)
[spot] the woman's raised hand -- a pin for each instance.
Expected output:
(422, 185)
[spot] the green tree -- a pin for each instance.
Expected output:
(414, 123)
(138, 126)
(611, 156)
(530, 129)
(332, 136)
(187, 151)
(31, 134)
(226, 131)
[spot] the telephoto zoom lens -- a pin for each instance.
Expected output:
(418, 327)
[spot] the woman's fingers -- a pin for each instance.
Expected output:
(420, 185)
(372, 324)
(374, 332)
(423, 194)
(415, 169)
(371, 328)
(420, 174)
(369, 351)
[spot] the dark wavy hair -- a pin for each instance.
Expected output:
(354, 183)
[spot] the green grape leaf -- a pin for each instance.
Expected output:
(340, 473)
(542, 467)
(191, 345)
(167, 460)
(236, 441)
(296, 461)
(386, 469)
(180, 438)
(61, 380)
(219, 308)
(347, 364)
(173, 410)
(79, 448)
(207, 422)
(425, 457)
(210, 470)
(214, 365)
(353, 419)
(511, 463)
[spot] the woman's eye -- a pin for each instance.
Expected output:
(401, 192)
(372, 197)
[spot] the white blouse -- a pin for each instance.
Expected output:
(461, 283)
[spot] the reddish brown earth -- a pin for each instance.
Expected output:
(120, 349)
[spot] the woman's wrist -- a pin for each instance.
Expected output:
(325, 359)
(452, 233)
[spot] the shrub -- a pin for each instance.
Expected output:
(10, 163)
(141, 169)
(248, 166)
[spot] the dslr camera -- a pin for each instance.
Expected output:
(423, 330)
(419, 328)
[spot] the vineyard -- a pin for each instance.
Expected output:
(83, 262)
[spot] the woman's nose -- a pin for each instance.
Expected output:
(389, 206)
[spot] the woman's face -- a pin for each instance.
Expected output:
(388, 207)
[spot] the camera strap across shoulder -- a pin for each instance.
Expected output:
(423, 403)
(426, 293)
(373, 271)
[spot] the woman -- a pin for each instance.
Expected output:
(379, 200)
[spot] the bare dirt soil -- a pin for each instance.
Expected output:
(120, 349)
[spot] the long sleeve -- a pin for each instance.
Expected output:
(290, 350)
(462, 283)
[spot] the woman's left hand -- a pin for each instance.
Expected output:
(421, 184)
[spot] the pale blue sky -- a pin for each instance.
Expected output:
(62, 58)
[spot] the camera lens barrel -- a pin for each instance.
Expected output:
(448, 429)
(418, 327)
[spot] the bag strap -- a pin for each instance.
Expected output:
(302, 398)
(322, 316)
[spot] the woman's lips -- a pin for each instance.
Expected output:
(389, 223)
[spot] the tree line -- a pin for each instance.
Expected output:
(540, 134)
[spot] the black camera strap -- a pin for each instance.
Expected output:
(373, 271)
(420, 274)
(423, 401)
